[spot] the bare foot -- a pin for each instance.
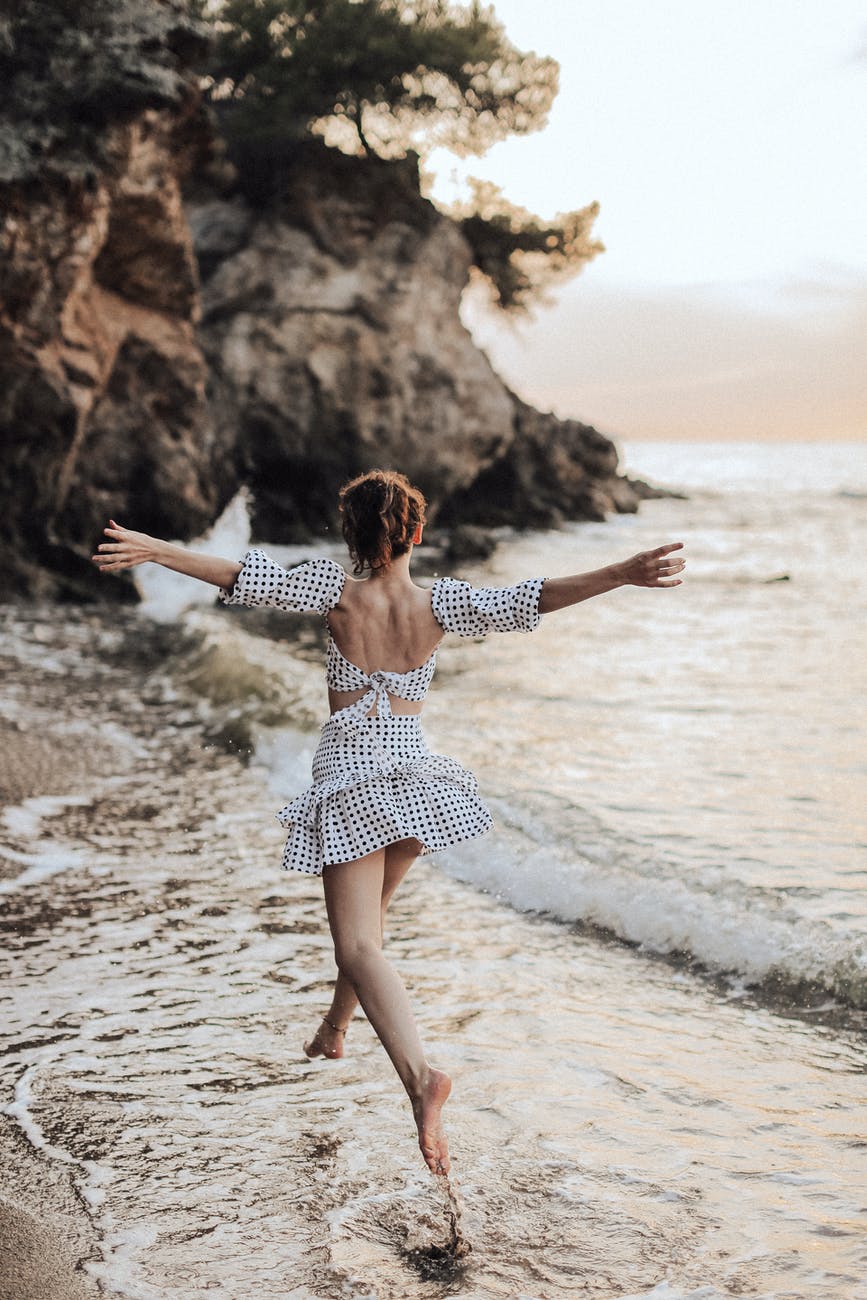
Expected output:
(427, 1108)
(327, 1041)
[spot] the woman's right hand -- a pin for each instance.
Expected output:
(125, 549)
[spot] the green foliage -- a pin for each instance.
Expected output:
(518, 252)
(386, 77)
(376, 74)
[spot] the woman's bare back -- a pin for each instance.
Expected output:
(383, 623)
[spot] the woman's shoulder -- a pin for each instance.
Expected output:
(318, 564)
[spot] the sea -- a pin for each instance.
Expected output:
(649, 982)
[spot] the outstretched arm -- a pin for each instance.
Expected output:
(648, 569)
(127, 548)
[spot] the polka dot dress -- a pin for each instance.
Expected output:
(374, 779)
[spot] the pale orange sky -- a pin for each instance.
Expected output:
(725, 145)
(689, 362)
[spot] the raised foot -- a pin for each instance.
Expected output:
(327, 1041)
(427, 1109)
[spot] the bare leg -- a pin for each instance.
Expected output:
(353, 897)
(328, 1039)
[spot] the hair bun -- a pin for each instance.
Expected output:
(381, 513)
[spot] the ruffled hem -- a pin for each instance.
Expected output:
(431, 798)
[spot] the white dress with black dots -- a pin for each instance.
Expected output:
(374, 779)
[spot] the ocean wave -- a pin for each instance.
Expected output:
(545, 857)
(578, 874)
(245, 684)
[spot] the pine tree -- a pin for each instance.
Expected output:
(394, 73)
(385, 77)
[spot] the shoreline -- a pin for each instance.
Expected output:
(164, 982)
(46, 1234)
(48, 776)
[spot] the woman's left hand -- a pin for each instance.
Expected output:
(654, 568)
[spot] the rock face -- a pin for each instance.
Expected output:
(102, 380)
(333, 339)
(154, 357)
(552, 470)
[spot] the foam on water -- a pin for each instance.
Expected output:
(26, 818)
(723, 925)
(42, 858)
(665, 1291)
(21, 1110)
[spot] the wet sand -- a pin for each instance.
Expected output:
(42, 1248)
(46, 1234)
(144, 798)
(618, 1127)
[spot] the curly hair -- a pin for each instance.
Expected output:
(381, 511)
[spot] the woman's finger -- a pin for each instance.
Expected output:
(666, 550)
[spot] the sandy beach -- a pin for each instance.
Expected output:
(626, 1121)
(122, 788)
(45, 1231)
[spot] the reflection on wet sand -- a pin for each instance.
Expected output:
(613, 1123)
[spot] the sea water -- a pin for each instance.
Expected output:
(688, 769)
(648, 983)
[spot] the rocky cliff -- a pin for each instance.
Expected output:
(155, 356)
(102, 379)
(331, 329)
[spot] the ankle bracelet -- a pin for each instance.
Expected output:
(331, 1025)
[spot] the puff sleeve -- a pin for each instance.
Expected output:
(312, 587)
(476, 611)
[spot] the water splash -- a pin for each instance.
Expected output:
(443, 1262)
(458, 1245)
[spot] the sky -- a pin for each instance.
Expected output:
(726, 145)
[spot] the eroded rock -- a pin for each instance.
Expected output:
(102, 380)
(334, 343)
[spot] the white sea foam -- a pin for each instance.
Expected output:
(45, 857)
(21, 1110)
(665, 1291)
(120, 1248)
(722, 924)
(118, 1271)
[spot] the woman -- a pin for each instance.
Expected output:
(379, 797)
